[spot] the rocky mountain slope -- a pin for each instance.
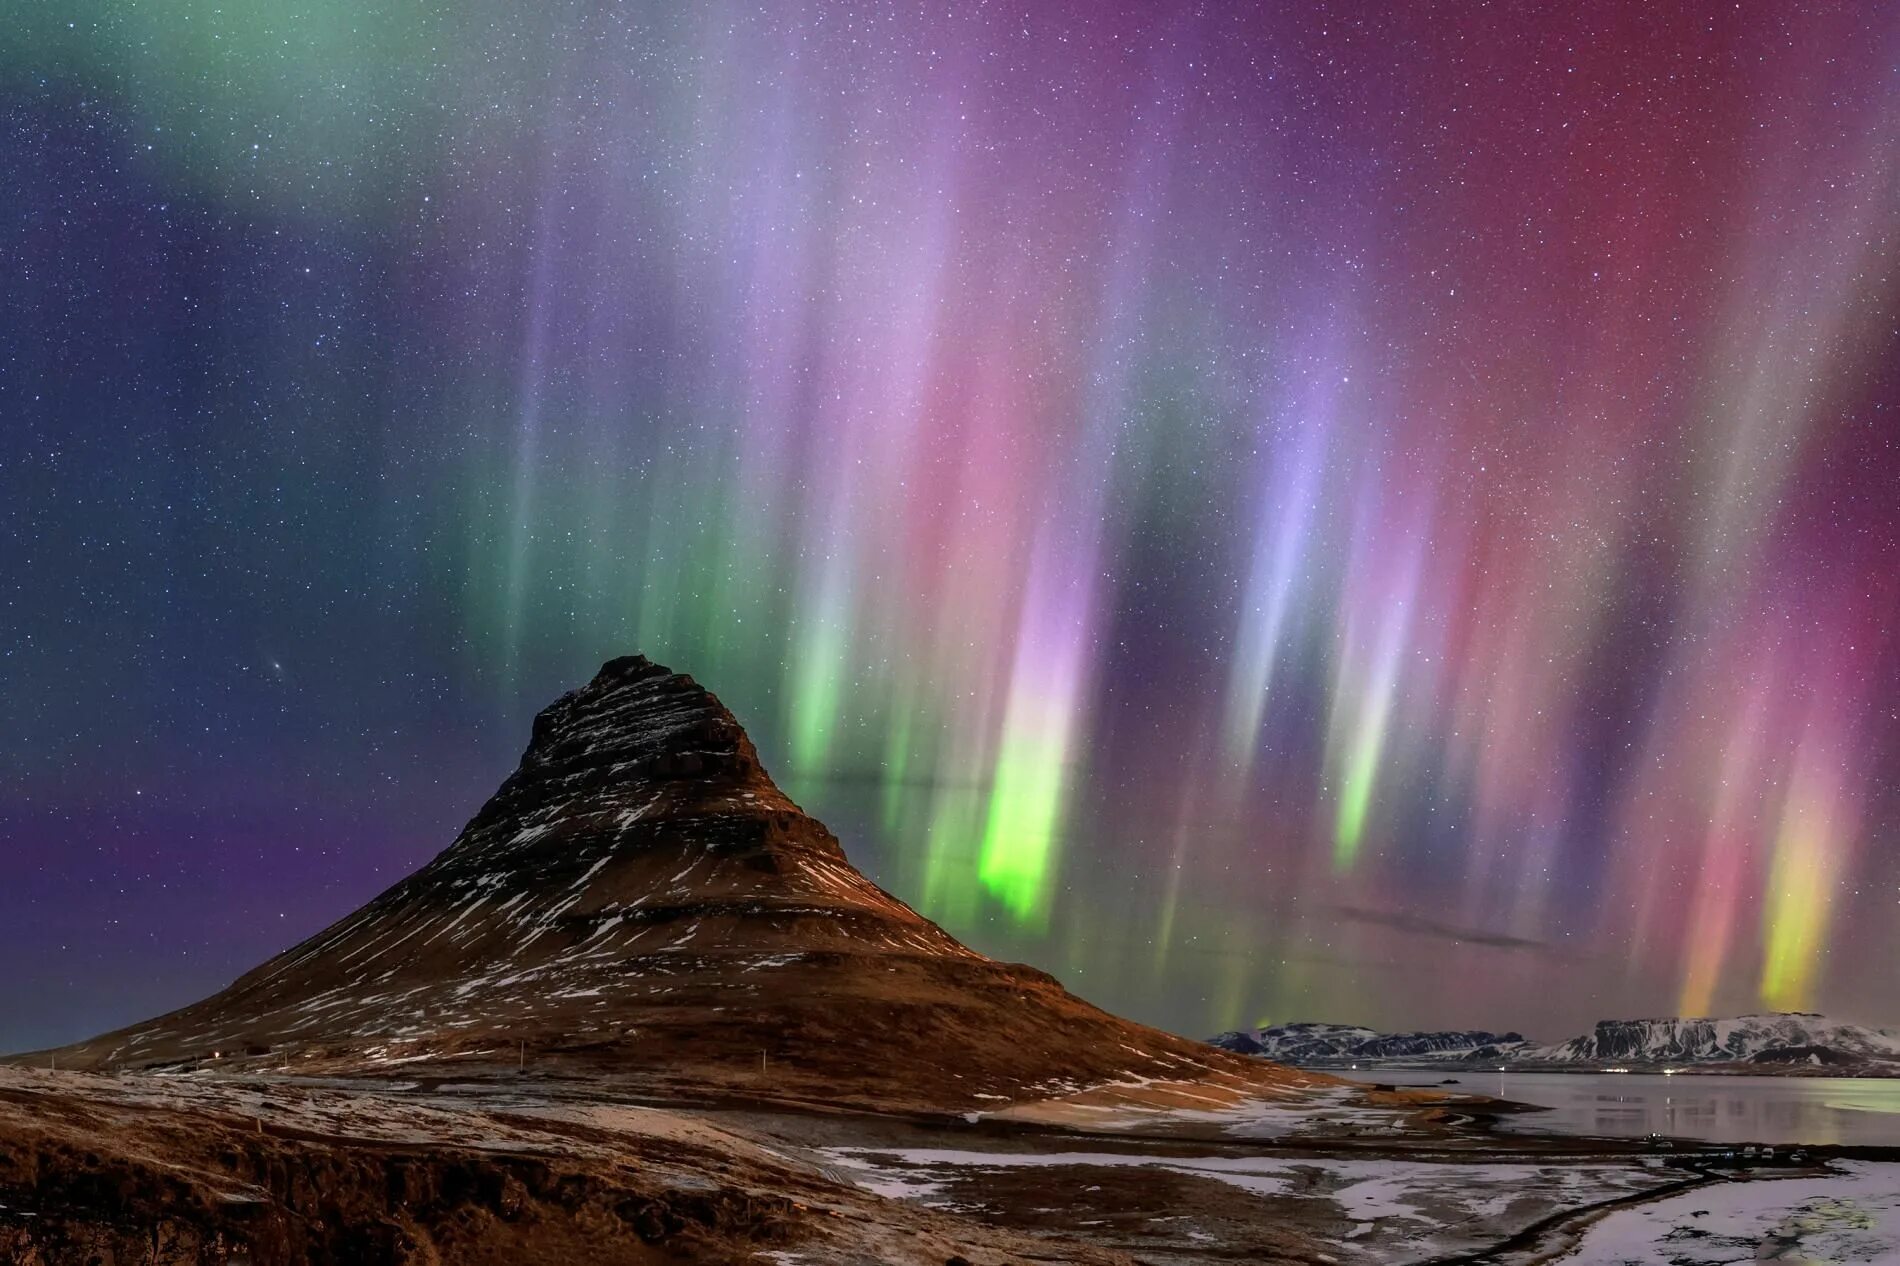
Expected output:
(639, 900)
(1791, 1039)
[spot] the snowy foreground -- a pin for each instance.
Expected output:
(1853, 1217)
(1381, 1210)
(1402, 1211)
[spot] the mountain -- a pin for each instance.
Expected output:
(1305, 1042)
(1318, 1044)
(1706, 1041)
(639, 900)
(1770, 1042)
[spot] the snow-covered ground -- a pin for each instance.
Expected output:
(1391, 1209)
(1850, 1218)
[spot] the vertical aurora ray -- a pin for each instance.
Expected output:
(1055, 637)
(1799, 895)
(1019, 836)
(529, 392)
(1368, 682)
(1719, 888)
(1279, 553)
(898, 754)
(1803, 882)
(1034, 758)
(818, 673)
(1360, 771)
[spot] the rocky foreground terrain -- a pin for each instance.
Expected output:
(170, 1169)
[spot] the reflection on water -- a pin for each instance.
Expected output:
(1720, 1109)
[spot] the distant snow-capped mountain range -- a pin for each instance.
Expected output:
(1779, 1041)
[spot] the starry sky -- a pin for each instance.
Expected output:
(1374, 512)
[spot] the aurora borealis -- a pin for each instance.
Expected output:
(1375, 513)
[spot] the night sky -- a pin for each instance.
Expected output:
(1384, 513)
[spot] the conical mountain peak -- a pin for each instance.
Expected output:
(638, 899)
(637, 744)
(637, 720)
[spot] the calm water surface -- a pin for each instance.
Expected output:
(1720, 1109)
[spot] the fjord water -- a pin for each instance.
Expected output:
(1718, 1109)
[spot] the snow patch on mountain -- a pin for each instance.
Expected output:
(1315, 1043)
(1716, 1041)
(1778, 1038)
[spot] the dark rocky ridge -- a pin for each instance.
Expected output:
(639, 899)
